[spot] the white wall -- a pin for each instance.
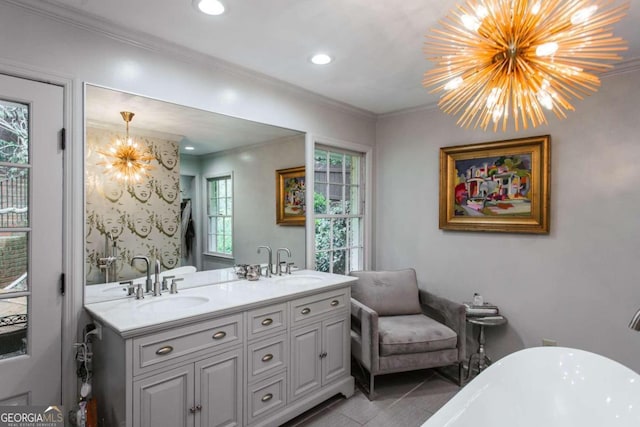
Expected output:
(580, 284)
(254, 189)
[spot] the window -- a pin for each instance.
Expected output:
(339, 210)
(220, 216)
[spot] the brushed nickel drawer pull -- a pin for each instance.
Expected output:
(267, 357)
(219, 335)
(267, 397)
(306, 310)
(163, 351)
(267, 321)
(334, 303)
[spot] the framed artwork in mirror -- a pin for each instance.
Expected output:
(496, 186)
(290, 196)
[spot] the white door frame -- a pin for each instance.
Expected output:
(73, 219)
(310, 143)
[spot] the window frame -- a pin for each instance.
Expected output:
(207, 216)
(366, 169)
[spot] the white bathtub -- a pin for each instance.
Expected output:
(546, 387)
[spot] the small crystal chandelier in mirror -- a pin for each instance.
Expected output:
(124, 159)
(510, 60)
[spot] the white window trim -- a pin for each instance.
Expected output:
(310, 145)
(205, 214)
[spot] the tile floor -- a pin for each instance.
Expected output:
(403, 400)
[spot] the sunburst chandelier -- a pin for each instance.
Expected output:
(124, 159)
(502, 59)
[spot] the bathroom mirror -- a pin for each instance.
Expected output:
(204, 167)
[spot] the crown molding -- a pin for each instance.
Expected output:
(92, 23)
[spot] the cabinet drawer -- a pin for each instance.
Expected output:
(316, 305)
(156, 350)
(267, 320)
(267, 356)
(266, 396)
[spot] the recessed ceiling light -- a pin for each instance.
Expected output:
(210, 7)
(321, 59)
(189, 148)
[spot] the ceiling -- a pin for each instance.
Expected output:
(207, 132)
(377, 45)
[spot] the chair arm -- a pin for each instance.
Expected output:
(367, 320)
(450, 313)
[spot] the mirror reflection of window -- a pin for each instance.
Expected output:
(220, 215)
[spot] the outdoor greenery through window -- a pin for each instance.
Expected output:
(220, 215)
(339, 210)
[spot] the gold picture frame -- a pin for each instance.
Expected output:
(290, 196)
(496, 186)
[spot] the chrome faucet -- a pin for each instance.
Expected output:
(108, 261)
(270, 262)
(148, 283)
(278, 263)
(157, 286)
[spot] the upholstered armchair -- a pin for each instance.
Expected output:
(397, 327)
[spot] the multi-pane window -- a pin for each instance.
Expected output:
(339, 210)
(220, 215)
(15, 228)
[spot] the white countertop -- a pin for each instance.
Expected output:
(195, 299)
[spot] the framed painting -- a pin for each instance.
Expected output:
(496, 186)
(290, 195)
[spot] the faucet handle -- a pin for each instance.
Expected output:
(165, 282)
(128, 287)
(174, 285)
(290, 265)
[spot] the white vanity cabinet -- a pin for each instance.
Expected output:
(256, 364)
(320, 346)
(204, 393)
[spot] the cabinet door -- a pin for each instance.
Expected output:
(164, 400)
(305, 360)
(219, 390)
(335, 339)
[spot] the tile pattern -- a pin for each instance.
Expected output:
(406, 399)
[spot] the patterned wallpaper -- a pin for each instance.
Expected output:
(143, 218)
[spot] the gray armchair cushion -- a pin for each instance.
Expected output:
(388, 293)
(413, 334)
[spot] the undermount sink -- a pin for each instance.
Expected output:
(298, 279)
(167, 303)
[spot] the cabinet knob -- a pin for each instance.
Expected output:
(306, 310)
(219, 335)
(267, 357)
(267, 321)
(334, 303)
(267, 397)
(198, 407)
(163, 351)
(192, 409)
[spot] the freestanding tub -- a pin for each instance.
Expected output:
(546, 387)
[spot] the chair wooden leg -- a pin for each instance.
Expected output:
(371, 395)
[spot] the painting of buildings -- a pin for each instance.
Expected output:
(493, 186)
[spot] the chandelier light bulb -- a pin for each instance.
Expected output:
(547, 49)
(506, 62)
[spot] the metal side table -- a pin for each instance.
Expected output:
(482, 359)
